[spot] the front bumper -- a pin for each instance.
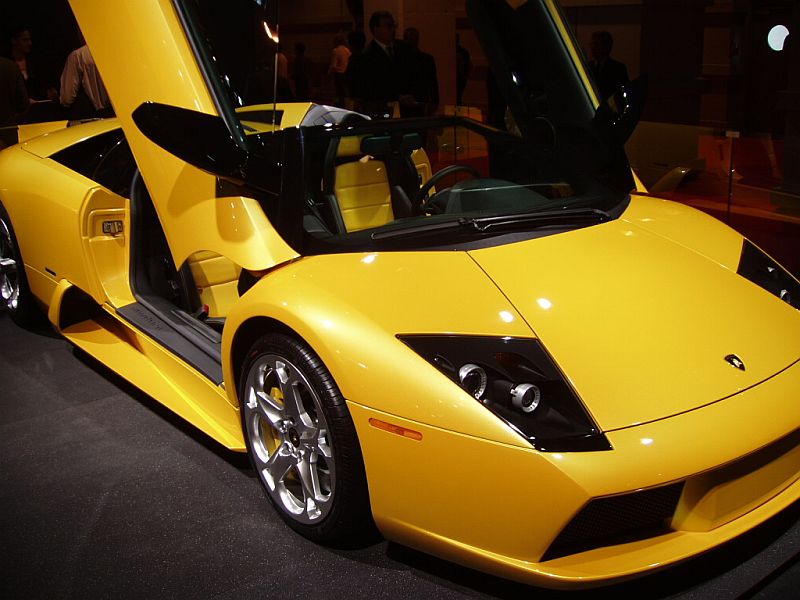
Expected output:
(500, 508)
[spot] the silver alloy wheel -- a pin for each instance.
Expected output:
(9, 277)
(289, 438)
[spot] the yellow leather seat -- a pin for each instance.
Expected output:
(216, 278)
(362, 186)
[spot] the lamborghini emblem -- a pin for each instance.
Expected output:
(735, 361)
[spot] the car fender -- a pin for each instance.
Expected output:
(350, 313)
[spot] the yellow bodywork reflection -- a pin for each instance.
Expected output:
(127, 37)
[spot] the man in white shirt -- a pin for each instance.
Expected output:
(82, 90)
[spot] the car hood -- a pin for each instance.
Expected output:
(640, 323)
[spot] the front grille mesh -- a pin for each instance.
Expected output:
(618, 519)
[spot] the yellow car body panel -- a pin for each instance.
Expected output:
(31, 130)
(51, 142)
(62, 256)
(127, 38)
(292, 114)
(107, 253)
(234, 227)
(687, 227)
(336, 302)
(710, 448)
(156, 371)
(619, 294)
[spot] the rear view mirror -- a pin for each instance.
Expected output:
(381, 145)
(201, 140)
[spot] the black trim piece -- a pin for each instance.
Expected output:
(76, 307)
(158, 322)
(561, 423)
(84, 156)
(49, 270)
(768, 274)
(219, 90)
(618, 520)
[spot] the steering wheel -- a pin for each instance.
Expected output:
(422, 195)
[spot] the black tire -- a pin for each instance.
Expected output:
(302, 442)
(15, 295)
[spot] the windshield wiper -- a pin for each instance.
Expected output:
(540, 218)
(534, 219)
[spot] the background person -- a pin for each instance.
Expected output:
(301, 73)
(82, 91)
(424, 85)
(13, 101)
(384, 68)
(340, 58)
(608, 74)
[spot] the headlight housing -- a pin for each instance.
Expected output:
(516, 380)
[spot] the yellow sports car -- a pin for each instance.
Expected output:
(487, 342)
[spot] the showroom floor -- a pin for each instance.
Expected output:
(105, 494)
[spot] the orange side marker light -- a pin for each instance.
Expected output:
(396, 429)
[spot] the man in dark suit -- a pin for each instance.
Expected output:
(608, 74)
(384, 68)
(424, 97)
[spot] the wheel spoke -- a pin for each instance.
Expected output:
(309, 478)
(293, 400)
(278, 465)
(323, 446)
(268, 407)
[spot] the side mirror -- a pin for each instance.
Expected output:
(201, 140)
(619, 115)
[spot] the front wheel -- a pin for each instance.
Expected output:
(302, 441)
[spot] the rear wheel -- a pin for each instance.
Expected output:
(302, 441)
(15, 295)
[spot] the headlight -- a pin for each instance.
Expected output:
(766, 273)
(517, 381)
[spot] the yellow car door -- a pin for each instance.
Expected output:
(145, 55)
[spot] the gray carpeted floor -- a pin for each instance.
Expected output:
(105, 494)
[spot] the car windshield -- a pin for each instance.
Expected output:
(368, 171)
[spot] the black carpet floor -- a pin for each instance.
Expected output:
(105, 494)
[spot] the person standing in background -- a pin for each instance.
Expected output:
(384, 70)
(21, 46)
(463, 68)
(282, 64)
(424, 83)
(13, 101)
(340, 59)
(608, 74)
(82, 91)
(356, 41)
(301, 73)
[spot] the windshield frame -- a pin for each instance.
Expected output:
(302, 145)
